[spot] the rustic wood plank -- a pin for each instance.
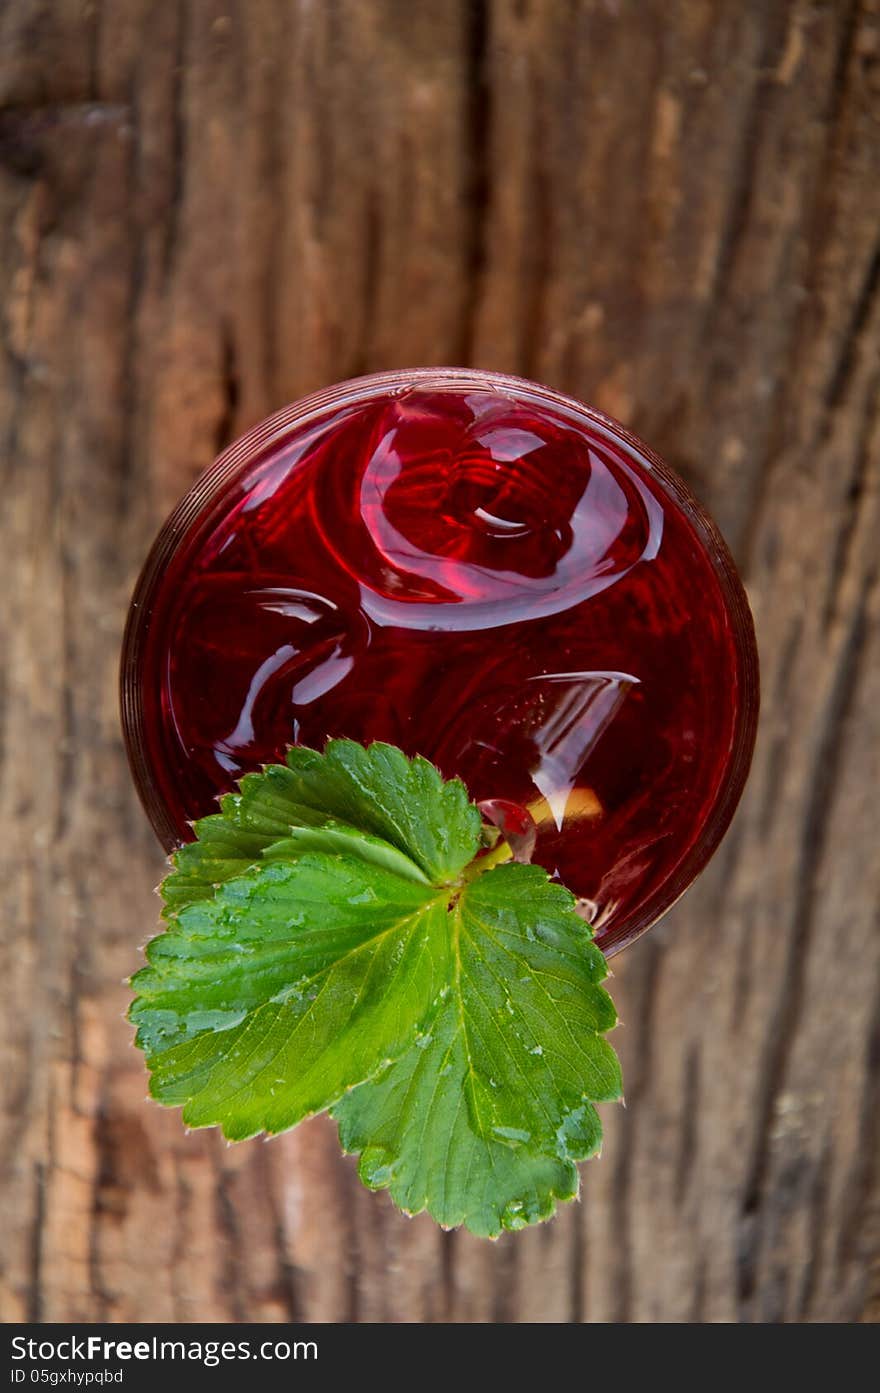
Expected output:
(670, 209)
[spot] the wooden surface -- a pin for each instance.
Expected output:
(667, 207)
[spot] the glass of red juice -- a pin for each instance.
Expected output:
(476, 569)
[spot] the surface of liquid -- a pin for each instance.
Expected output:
(493, 583)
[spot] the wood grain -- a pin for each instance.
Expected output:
(669, 208)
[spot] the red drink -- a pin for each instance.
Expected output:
(477, 570)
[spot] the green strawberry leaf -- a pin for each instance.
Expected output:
(402, 804)
(415, 1136)
(532, 1014)
(333, 940)
(480, 1121)
(299, 979)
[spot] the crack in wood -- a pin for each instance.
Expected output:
(861, 310)
(478, 128)
(178, 138)
(804, 914)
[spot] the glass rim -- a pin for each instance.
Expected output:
(263, 434)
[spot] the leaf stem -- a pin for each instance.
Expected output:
(500, 853)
